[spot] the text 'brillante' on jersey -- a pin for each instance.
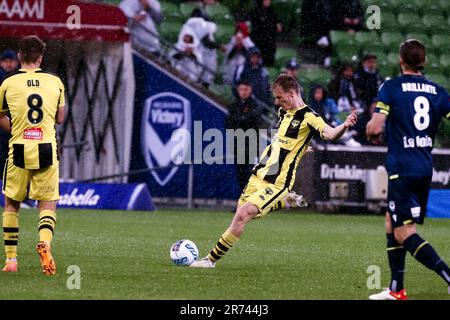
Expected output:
(414, 107)
(32, 98)
(279, 160)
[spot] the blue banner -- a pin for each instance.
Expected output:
(439, 204)
(108, 196)
(164, 105)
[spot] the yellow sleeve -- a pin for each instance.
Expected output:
(315, 122)
(62, 100)
(3, 104)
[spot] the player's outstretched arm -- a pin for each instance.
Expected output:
(334, 134)
(375, 126)
(5, 123)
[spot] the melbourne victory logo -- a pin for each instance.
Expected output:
(163, 114)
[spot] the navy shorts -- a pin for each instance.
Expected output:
(407, 200)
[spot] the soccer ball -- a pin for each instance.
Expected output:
(183, 252)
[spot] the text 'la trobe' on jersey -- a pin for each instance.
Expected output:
(32, 98)
(280, 159)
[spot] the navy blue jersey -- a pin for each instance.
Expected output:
(414, 107)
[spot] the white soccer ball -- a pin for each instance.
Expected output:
(183, 252)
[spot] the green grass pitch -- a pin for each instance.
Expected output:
(289, 255)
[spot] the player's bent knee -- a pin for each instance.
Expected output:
(47, 205)
(404, 232)
(399, 236)
(11, 205)
(246, 213)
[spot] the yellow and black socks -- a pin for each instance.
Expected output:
(396, 256)
(224, 244)
(10, 233)
(47, 223)
(426, 255)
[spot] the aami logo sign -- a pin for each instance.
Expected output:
(22, 9)
(164, 113)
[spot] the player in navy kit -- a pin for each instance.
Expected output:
(409, 108)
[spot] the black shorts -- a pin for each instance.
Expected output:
(407, 200)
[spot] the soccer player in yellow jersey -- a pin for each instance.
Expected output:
(269, 187)
(33, 100)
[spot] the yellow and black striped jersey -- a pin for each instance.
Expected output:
(279, 161)
(32, 97)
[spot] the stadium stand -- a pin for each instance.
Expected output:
(427, 21)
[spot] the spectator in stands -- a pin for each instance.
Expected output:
(186, 57)
(8, 63)
(243, 114)
(326, 107)
(201, 11)
(291, 69)
(204, 31)
(143, 16)
(254, 72)
(368, 80)
(349, 15)
(342, 88)
(316, 21)
(265, 27)
(323, 105)
(236, 51)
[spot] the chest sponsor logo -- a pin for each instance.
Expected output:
(33, 134)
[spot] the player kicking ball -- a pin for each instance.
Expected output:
(33, 100)
(269, 187)
(410, 108)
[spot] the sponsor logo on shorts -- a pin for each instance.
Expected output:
(262, 198)
(394, 217)
(268, 191)
(33, 134)
(392, 205)
(415, 212)
(46, 189)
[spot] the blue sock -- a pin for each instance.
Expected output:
(426, 255)
(396, 256)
